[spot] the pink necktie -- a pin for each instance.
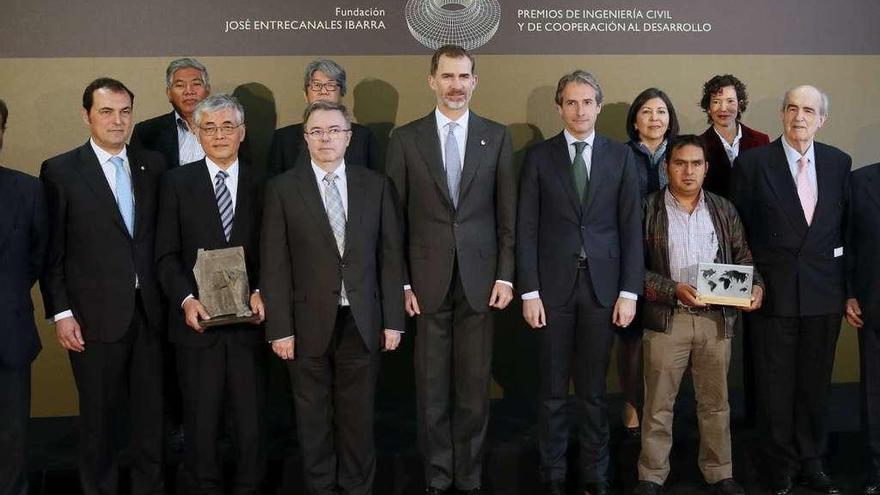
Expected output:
(805, 190)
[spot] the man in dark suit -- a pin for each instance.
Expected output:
(793, 199)
(24, 232)
(725, 100)
(580, 266)
(215, 203)
(332, 274)
(863, 306)
(324, 80)
(174, 134)
(453, 171)
(100, 289)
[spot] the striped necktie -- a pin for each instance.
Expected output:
(452, 163)
(224, 202)
(336, 215)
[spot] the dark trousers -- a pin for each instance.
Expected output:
(575, 344)
(334, 398)
(15, 410)
(869, 359)
(108, 376)
(226, 376)
(794, 358)
(453, 364)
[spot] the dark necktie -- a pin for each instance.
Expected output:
(581, 180)
(224, 202)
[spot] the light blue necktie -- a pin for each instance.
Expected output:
(336, 215)
(452, 163)
(224, 202)
(123, 194)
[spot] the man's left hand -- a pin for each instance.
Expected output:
(258, 308)
(624, 312)
(501, 296)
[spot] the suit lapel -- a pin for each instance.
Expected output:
(203, 194)
(171, 141)
(873, 186)
(562, 166)
(308, 190)
(779, 176)
(473, 153)
(9, 204)
(138, 185)
(356, 190)
(91, 171)
(822, 193)
(243, 198)
(597, 171)
(429, 146)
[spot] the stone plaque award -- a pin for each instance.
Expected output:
(725, 285)
(221, 275)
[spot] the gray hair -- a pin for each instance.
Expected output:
(329, 67)
(824, 101)
(216, 103)
(579, 77)
(185, 63)
(327, 106)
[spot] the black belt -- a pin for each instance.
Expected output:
(696, 311)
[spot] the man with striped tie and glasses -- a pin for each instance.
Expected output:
(214, 203)
(332, 278)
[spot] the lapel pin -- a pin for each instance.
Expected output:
(482, 142)
(142, 167)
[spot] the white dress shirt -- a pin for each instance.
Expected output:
(587, 155)
(732, 150)
(189, 148)
(793, 155)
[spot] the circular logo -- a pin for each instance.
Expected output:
(467, 23)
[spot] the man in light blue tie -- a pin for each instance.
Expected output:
(100, 289)
(454, 172)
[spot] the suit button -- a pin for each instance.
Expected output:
(455, 224)
(342, 264)
(583, 228)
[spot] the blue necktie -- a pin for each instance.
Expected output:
(224, 202)
(452, 163)
(336, 215)
(123, 194)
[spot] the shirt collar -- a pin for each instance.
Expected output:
(739, 135)
(181, 122)
(442, 120)
(320, 173)
(673, 202)
(569, 139)
(793, 155)
(104, 156)
(213, 168)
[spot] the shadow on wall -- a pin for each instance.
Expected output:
(375, 107)
(260, 117)
(611, 122)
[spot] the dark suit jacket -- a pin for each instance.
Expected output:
(801, 272)
(92, 260)
(554, 223)
(718, 176)
(160, 134)
(24, 233)
(189, 220)
(302, 270)
(479, 234)
(288, 149)
(864, 236)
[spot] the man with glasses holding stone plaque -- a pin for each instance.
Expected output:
(215, 203)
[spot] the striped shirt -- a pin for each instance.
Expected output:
(692, 239)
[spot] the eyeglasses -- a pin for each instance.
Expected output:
(226, 129)
(334, 133)
(318, 86)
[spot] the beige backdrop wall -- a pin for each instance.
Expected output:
(44, 98)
